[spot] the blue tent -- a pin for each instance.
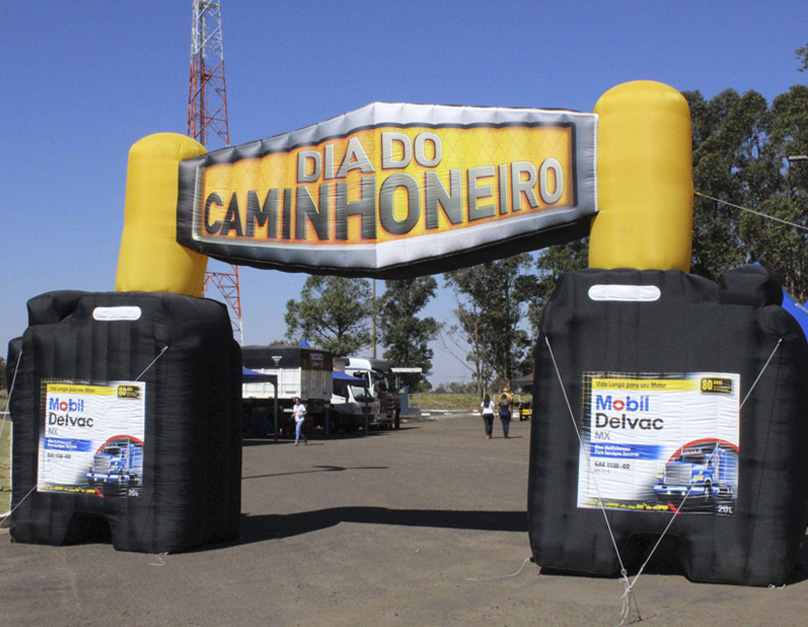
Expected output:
(341, 377)
(251, 376)
(799, 312)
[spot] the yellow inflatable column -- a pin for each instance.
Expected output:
(150, 258)
(645, 179)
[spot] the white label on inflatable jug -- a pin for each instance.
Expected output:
(109, 314)
(92, 438)
(660, 442)
(630, 293)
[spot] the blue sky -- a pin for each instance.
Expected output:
(82, 83)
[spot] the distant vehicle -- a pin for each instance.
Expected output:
(707, 474)
(351, 402)
(117, 467)
(379, 394)
(302, 371)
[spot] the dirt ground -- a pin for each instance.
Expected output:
(421, 526)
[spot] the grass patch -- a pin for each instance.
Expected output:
(454, 402)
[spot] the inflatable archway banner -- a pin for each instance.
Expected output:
(394, 190)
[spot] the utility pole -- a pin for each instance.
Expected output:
(207, 120)
(373, 324)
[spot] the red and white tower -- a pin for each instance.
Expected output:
(207, 120)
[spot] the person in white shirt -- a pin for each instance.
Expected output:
(487, 411)
(299, 414)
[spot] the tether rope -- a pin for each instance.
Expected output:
(628, 594)
(14, 378)
(527, 559)
(22, 500)
(10, 392)
(757, 213)
(709, 459)
(4, 517)
(760, 374)
(160, 354)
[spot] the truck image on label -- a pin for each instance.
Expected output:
(700, 477)
(117, 466)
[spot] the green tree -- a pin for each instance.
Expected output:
(732, 163)
(406, 336)
(333, 313)
(802, 57)
(777, 244)
(740, 150)
(2, 373)
(468, 334)
(552, 263)
(490, 309)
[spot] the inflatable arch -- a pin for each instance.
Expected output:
(644, 195)
(643, 373)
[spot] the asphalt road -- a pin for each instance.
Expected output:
(421, 526)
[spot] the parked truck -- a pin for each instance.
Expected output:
(117, 467)
(351, 403)
(378, 395)
(301, 371)
(707, 474)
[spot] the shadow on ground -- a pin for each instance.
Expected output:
(269, 439)
(274, 526)
(316, 469)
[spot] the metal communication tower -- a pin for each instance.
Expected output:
(207, 116)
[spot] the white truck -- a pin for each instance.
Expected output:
(378, 395)
(302, 371)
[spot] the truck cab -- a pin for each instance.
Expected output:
(350, 402)
(117, 466)
(700, 477)
(379, 392)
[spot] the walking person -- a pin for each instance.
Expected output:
(487, 411)
(299, 414)
(505, 411)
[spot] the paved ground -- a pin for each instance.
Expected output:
(420, 526)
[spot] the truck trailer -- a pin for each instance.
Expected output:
(301, 371)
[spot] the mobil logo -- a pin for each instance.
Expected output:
(74, 405)
(619, 403)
